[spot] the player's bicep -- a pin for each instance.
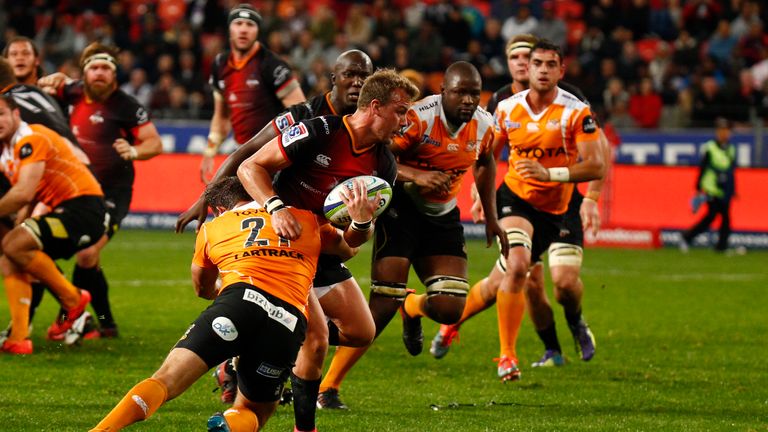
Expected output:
(30, 175)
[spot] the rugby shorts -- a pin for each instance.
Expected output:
(403, 231)
(73, 225)
(265, 331)
(118, 201)
(547, 227)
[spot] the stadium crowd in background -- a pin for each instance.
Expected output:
(702, 57)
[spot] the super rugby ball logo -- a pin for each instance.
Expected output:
(284, 121)
(295, 133)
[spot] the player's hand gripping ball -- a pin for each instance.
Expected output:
(336, 211)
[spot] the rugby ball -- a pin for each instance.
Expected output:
(336, 211)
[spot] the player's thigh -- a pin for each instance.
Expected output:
(180, 370)
(346, 303)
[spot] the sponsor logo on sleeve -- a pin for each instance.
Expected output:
(25, 151)
(281, 74)
(284, 121)
(142, 116)
(225, 328)
(295, 133)
(588, 125)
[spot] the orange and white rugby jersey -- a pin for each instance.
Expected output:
(243, 245)
(550, 137)
(64, 177)
(427, 143)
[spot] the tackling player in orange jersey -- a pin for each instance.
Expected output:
(259, 312)
(554, 141)
(42, 168)
(447, 135)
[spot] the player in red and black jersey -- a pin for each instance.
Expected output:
(114, 130)
(310, 158)
(251, 85)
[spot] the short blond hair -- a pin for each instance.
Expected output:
(380, 86)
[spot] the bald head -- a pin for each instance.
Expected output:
(349, 72)
(461, 92)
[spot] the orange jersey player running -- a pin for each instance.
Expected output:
(42, 168)
(259, 313)
(554, 142)
(447, 135)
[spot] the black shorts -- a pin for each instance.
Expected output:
(404, 231)
(330, 271)
(263, 330)
(574, 233)
(547, 227)
(118, 201)
(72, 226)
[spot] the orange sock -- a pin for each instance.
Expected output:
(43, 268)
(19, 293)
(510, 308)
(475, 302)
(343, 361)
(414, 305)
(138, 404)
(241, 419)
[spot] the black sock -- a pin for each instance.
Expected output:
(304, 402)
(573, 319)
(549, 337)
(333, 334)
(38, 289)
(93, 280)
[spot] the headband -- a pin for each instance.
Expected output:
(246, 12)
(520, 44)
(101, 58)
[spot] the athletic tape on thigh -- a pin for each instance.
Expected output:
(446, 285)
(515, 237)
(565, 254)
(388, 289)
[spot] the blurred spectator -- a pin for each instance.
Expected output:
(686, 51)
(473, 17)
(454, 30)
(57, 41)
(662, 20)
(619, 117)
(636, 16)
(417, 78)
(138, 87)
(748, 15)
(708, 102)
(425, 49)
(590, 49)
(358, 26)
(614, 94)
(629, 63)
(645, 105)
(189, 74)
(751, 44)
(700, 17)
(521, 22)
(721, 44)
(340, 44)
(759, 70)
(549, 26)
(658, 67)
(305, 51)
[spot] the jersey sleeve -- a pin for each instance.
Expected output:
(585, 127)
(289, 117)
(411, 135)
(278, 74)
(201, 258)
(32, 148)
(301, 141)
(387, 168)
(214, 81)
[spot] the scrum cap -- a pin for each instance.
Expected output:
(244, 11)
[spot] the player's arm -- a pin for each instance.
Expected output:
(204, 272)
(23, 192)
(199, 210)
(52, 83)
(218, 131)
(427, 179)
(361, 210)
(484, 171)
(148, 144)
(294, 96)
(255, 173)
(589, 211)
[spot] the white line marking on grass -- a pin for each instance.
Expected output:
(681, 277)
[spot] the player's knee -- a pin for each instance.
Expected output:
(88, 257)
(515, 238)
(446, 297)
(360, 334)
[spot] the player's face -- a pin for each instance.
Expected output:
(243, 34)
(392, 116)
(517, 61)
(22, 58)
(9, 122)
(349, 80)
(100, 80)
(460, 98)
(545, 70)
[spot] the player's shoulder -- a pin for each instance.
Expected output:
(575, 91)
(482, 116)
(569, 100)
(427, 105)
(512, 101)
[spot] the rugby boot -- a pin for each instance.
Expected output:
(551, 358)
(507, 369)
(226, 379)
(584, 340)
(217, 423)
(329, 399)
(64, 322)
(442, 341)
(23, 347)
(413, 335)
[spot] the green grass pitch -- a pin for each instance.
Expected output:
(681, 345)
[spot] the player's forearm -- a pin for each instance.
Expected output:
(256, 180)
(485, 181)
(149, 148)
(234, 160)
(358, 233)
(13, 201)
(218, 132)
